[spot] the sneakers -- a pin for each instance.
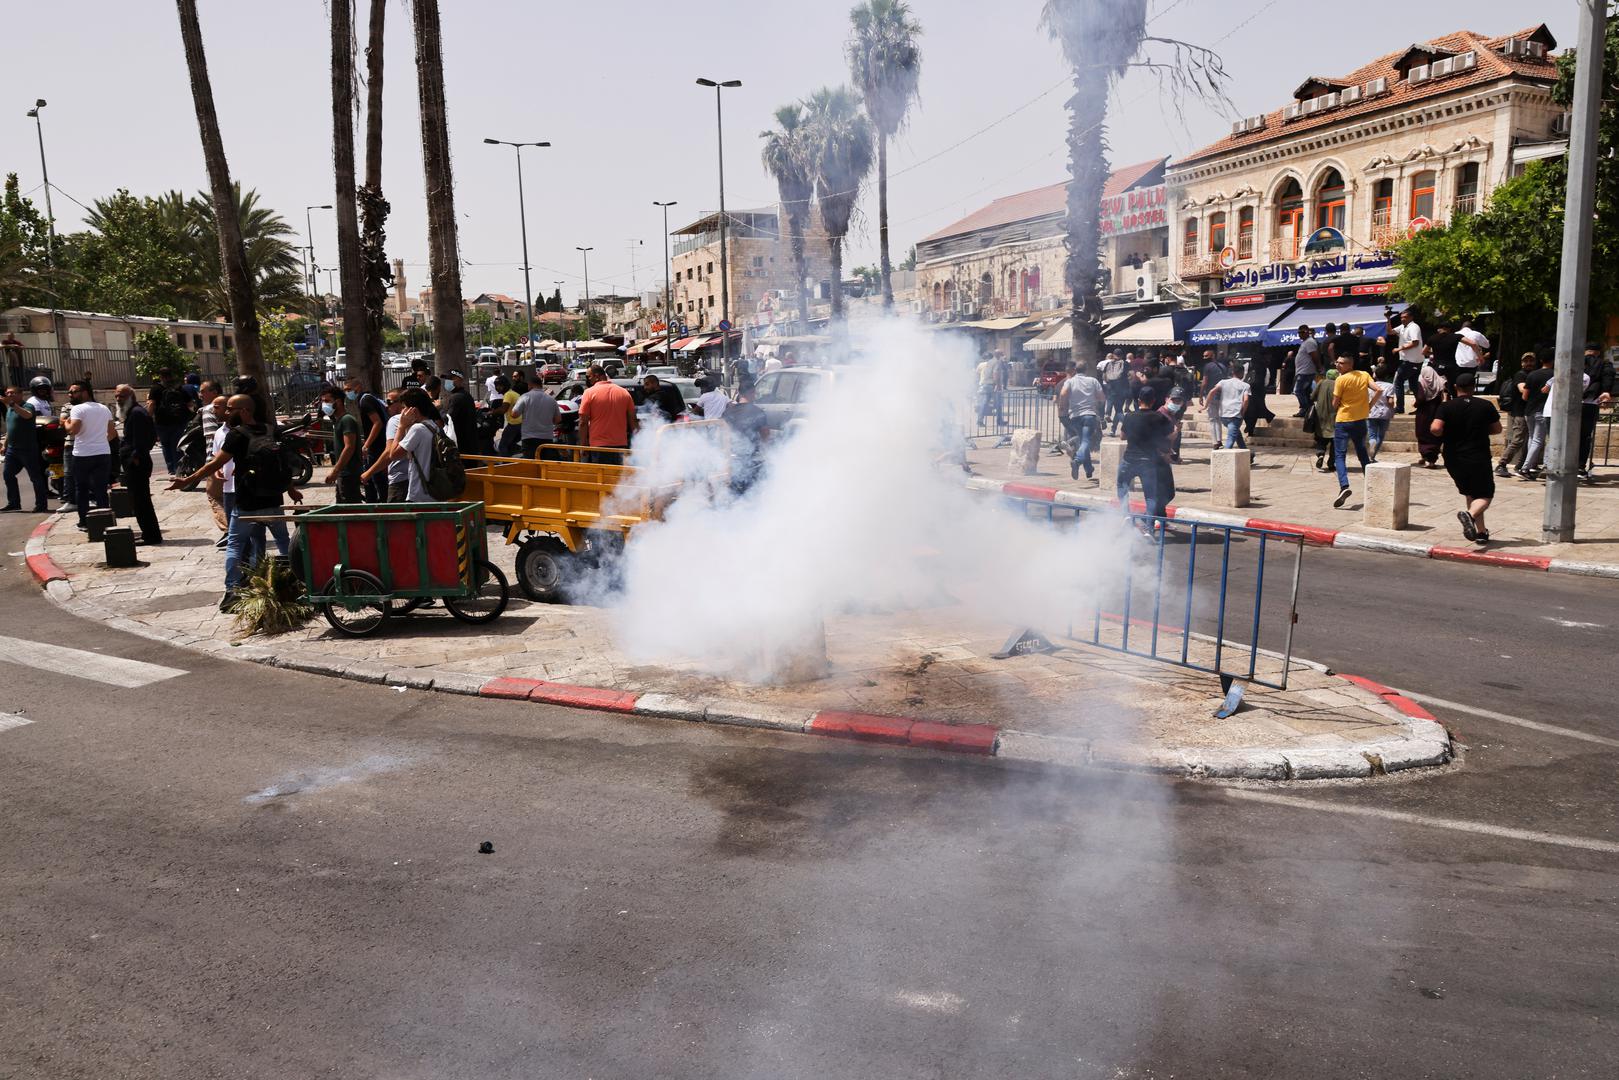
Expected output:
(1073, 469)
(1319, 458)
(1343, 497)
(1469, 528)
(10, 509)
(227, 603)
(1501, 470)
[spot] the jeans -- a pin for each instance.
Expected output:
(1117, 395)
(348, 488)
(25, 458)
(90, 482)
(530, 446)
(1084, 433)
(138, 482)
(1517, 442)
(989, 399)
(1377, 428)
(510, 436)
(1143, 469)
(1303, 387)
(1404, 375)
(1539, 428)
(244, 541)
(1345, 432)
(1233, 433)
(168, 435)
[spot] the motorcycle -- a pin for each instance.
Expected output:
(300, 447)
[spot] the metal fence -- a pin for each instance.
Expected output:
(1001, 412)
(1185, 580)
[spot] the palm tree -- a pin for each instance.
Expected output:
(272, 262)
(373, 207)
(350, 271)
(444, 264)
(885, 63)
(787, 157)
(840, 141)
(232, 256)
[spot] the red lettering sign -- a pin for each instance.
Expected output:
(1320, 294)
(1239, 301)
(1378, 289)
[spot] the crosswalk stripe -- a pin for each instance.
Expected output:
(112, 670)
(11, 720)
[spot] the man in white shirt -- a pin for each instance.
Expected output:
(1080, 402)
(1471, 347)
(772, 364)
(489, 392)
(93, 430)
(712, 403)
(1230, 397)
(226, 496)
(991, 381)
(1408, 340)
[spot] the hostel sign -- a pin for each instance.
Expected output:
(1136, 210)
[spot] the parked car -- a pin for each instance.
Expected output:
(784, 395)
(1051, 377)
(553, 373)
(489, 355)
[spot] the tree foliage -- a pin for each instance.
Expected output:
(885, 63)
(842, 150)
(24, 250)
(788, 159)
(156, 352)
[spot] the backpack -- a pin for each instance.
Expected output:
(263, 470)
(174, 407)
(446, 475)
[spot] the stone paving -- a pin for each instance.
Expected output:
(932, 664)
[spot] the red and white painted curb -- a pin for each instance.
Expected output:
(40, 563)
(1312, 534)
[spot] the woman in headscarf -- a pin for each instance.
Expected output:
(1430, 394)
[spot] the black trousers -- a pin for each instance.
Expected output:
(376, 488)
(138, 482)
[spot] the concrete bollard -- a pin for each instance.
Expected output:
(1108, 454)
(120, 545)
(97, 522)
(121, 502)
(1228, 477)
(1388, 496)
(1026, 451)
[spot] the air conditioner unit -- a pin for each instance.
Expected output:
(1328, 101)
(1379, 85)
(1562, 124)
(1146, 280)
(1255, 123)
(1442, 67)
(1465, 62)
(1239, 127)
(1514, 47)
(1536, 49)
(1419, 74)
(1291, 112)
(1306, 108)
(1350, 95)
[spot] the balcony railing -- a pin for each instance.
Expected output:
(1284, 249)
(1463, 205)
(1201, 265)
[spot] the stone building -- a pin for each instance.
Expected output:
(759, 257)
(1304, 202)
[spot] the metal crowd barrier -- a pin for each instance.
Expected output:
(998, 413)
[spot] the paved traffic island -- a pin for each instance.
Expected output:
(926, 679)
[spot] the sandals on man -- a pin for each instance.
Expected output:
(1469, 528)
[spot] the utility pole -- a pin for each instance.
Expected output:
(45, 177)
(725, 276)
(1564, 450)
(584, 308)
(522, 218)
(314, 271)
(668, 287)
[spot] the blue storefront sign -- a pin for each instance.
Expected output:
(1298, 273)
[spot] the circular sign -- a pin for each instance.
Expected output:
(1419, 223)
(1228, 257)
(725, 324)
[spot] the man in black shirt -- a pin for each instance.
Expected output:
(1442, 347)
(458, 406)
(1536, 388)
(373, 415)
(1465, 424)
(1515, 405)
(1147, 434)
(1599, 385)
(140, 435)
(750, 429)
(667, 399)
(1346, 344)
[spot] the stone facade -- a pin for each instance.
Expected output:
(760, 263)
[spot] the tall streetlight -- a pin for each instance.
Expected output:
(314, 267)
(668, 287)
(44, 173)
(522, 217)
(725, 277)
(585, 307)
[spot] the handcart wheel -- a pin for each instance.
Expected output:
(487, 603)
(356, 618)
(544, 569)
(404, 605)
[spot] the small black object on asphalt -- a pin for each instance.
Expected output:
(486, 848)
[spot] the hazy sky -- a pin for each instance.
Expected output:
(610, 84)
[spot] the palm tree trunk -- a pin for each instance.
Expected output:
(835, 244)
(232, 257)
(795, 237)
(1087, 163)
(885, 265)
(350, 271)
(444, 269)
(373, 207)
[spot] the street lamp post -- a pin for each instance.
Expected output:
(314, 268)
(522, 218)
(668, 288)
(725, 277)
(584, 308)
(45, 177)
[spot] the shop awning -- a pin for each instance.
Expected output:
(1061, 336)
(1158, 331)
(1009, 323)
(703, 342)
(1366, 314)
(1233, 325)
(682, 344)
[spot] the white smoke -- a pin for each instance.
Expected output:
(862, 508)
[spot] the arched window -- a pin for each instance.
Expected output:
(1034, 285)
(950, 295)
(1422, 195)
(1245, 233)
(1382, 203)
(986, 290)
(1011, 284)
(1329, 201)
(1023, 291)
(938, 296)
(1466, 190)
(1216, 232)
(1189, 244)
(1289, 220)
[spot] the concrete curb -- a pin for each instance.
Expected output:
(1424, 742)
(1312, 534)
(40, 563)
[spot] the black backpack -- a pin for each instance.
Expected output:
(174, 407)
(262, 471)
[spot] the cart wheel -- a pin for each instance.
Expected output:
(545, 569)
(404, 605)
(356, 618)
(487, 603)
(301, 468)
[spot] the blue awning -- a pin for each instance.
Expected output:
(1230, 325)
(1366, 314)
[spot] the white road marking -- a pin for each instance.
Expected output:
(1532, 836)
(1570, 624)
(112, 670)
(11, 720)
(1533, 725)
(941, 1002)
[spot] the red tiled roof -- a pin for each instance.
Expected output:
(1491, 66)
(1041, 202)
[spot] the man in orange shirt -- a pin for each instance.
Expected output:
(606, 417)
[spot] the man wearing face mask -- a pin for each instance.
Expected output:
(346, 467)
(462, 412)
(140, 435)
(373, 416)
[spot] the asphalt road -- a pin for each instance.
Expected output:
(237, 871)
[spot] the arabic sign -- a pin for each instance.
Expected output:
(1320, 294)
(1136, 210)
(1376, 288)
(1325, 238)
(1298, 273)
(1240, 301)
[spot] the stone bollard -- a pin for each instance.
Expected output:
(1228, 477)
(1026, 451)
(121, 502)
(97, 522)
(120, 544)
(1388, 496)
(1108, 454)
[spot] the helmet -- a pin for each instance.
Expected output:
(40, 385)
